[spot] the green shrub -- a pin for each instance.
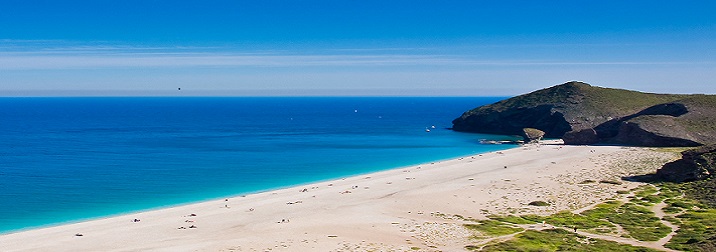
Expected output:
(612, 182)
(538, 203)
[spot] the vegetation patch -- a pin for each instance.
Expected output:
(671, 149)
(697, 231)
(570, 220)
(558, 240)
(611, 182)
(697, 201)
(640, 222)
(493, 228)
(603, 210)
(672, 220)
(670, 190)
(690, 206)
(512, 219)
(704, 191)
(538, 203)
(644, 191)
(672, 210)
(472, 247)
(678, 205)
(652, 199)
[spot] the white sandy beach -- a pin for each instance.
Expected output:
(391, 210)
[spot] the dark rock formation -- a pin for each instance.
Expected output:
(511, 122)
(581, 137)
(612, 127)
(531, 135)
(655, 126)
(654, 131)
(583, 114)
(696, 164)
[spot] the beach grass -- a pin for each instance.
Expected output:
(632, 219)
(671, 149)
(570, 220)
(677, 205)
(692, 209)
(493, 228)
(645, 190)
(697, 230)
(631, 216)
(514, 219)
(640, 222)
(558, 240)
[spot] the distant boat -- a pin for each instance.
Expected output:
(432, 126)
(427, 130)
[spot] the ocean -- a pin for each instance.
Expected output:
(65, 159)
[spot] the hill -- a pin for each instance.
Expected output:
(581, 113)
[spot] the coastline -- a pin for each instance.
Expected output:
(236, 195)
(380, 210)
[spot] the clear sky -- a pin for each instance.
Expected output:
(358, 47)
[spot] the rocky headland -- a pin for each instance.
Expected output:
(582, 114)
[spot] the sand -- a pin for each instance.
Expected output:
(400, 209)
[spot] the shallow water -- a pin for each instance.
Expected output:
(70, 159)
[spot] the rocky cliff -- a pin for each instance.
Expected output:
(583, 114)
(695, 164)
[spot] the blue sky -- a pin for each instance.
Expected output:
(383, 48)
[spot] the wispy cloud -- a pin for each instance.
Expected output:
(68, 60)
(57, 54)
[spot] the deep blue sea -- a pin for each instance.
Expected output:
(71, 159)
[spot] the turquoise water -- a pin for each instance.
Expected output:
(70, 159)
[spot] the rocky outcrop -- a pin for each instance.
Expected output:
(512, 121)
(656, 126)
(696, 164)
(582, 114)
(653, 131)
(531, 135)
(581, 137)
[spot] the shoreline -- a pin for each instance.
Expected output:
(236, 195)
(378, 210)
